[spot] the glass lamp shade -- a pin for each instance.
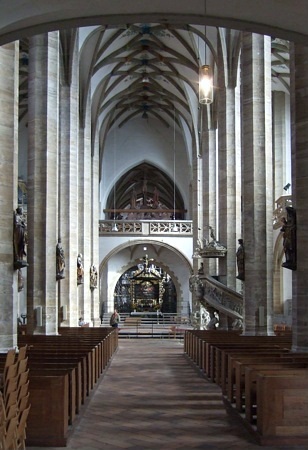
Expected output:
(205, 85)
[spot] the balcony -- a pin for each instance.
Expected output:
(176, 228)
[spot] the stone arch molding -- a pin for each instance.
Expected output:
(134, 260)
(24, 18)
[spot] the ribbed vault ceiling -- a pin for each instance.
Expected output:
(148, 72)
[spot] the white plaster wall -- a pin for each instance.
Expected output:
(118, 254)
(139, 141)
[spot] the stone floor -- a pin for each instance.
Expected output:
(152, 398)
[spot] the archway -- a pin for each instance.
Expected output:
(146, 290)
(127, 255)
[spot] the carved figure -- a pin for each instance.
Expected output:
(60, 261)
(289, 238)
(80, 270)
(211, 325)
(240, 258)
(196, 286)
(19, 238)
(93, 277)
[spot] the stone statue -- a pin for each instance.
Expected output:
(213, 319)
(201, 269)
(19, 239)
(196, 286)
(289, 238)
(60, 261)
(80, 270)
(93, 277)
(240, 258)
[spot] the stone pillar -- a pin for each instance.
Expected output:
(43, 182)
(95, 307)
(68, 188)
(281, 178)
(85, 212)
(8, 192)
(280, 143)
(226, 183)
(299, 182)
(198, 191)
(209, 169)
(227, 79)
(257, 183)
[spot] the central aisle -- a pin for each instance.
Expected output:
(152, 398)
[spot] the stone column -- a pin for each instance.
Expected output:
(281, 178)
(85, 212)
(280, 143)
(257, 183)
(226, 183)
(227, 79)
(8, 192)
(198, 191)
(299, 182)
(43, 182)
(95, 307)
(209, 169)
(68, 188)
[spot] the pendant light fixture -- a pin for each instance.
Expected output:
(205, 85)
(205, 80)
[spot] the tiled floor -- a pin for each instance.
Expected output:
(152, 398)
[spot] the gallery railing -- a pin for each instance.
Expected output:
(211, 292)
(146, 227)
(224, 299)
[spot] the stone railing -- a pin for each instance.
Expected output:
(146, 227)
(218, 296)
(222, 298)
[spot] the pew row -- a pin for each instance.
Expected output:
(63, 370)
(263, 382)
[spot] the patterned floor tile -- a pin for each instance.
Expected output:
(152, 398)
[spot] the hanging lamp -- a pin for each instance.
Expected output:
(205, 85)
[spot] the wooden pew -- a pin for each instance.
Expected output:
(67, 354)
(251, 372)
(201, 346)
(71, 364)
(107, 336)
(56, 344)
(228, 376)
(48, 419)
(41, 367)
(282, 407)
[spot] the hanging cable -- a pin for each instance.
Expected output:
(114, 226)
(174, 228)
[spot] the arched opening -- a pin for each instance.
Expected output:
(145, 289)
(145, 192)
